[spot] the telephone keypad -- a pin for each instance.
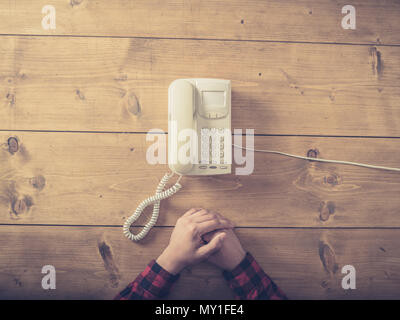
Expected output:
(215, 155)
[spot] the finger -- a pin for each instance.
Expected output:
(199, 213)
(213, 246)
(204, 218)
(208, 236)
(212, 225)
(210, 218)
(203, 215)
(191, 211)
(202, 211)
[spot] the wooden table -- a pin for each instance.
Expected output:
(77, 101)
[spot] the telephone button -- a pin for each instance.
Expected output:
(223, 167)
(213, 167)
(202, 167)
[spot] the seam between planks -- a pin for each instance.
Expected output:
(203, 39)
(170, 227)
(256, 134)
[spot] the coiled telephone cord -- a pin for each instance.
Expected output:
(160, 194)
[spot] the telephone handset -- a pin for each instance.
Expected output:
(199, 139)
(181, 111)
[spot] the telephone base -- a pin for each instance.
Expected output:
(209, 169)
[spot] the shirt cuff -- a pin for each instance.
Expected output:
(249, 281)
(241, 268)
(153, 283)
(156, 280)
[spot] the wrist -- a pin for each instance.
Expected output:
(170, 263)
(237, 259)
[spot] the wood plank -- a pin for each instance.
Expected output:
(291, 257)
(294, 20)
(101, 84)
(99, 179)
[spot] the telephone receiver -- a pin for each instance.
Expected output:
(199, 139)
(199, 109)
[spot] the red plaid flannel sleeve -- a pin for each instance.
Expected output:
(153, 283)
(249, 282)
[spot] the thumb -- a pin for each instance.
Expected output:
(214, 245)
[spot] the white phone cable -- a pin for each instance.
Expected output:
(320, 160)
(155, 199)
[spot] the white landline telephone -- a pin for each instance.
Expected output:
(202, 108)
(199, 110)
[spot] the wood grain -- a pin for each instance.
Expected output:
(104, 262)
(99, 179)
(70, 175)
(102, 84)
(294, 20)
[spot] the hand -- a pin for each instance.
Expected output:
(231, 252)
(186, 245)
